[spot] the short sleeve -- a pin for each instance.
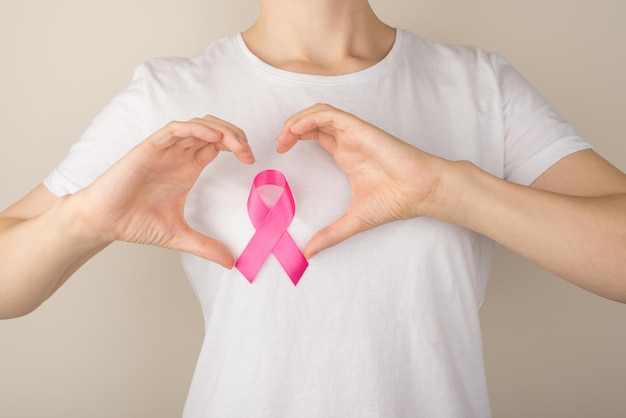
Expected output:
(535, 137)
(123, 123)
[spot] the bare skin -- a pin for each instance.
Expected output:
(571, 221)
(140, 199)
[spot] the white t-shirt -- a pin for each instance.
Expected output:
(384, 324)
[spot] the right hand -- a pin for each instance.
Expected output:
(141, 198)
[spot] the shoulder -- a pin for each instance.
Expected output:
(173, 69)
(440, 54)
(452, 66)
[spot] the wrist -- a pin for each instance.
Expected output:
(73, 221)
(451, 199)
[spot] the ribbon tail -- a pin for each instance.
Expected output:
(249, 263)
(291, 258)
(256, 252)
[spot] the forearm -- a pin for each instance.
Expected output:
(581, 239)
(38, 255)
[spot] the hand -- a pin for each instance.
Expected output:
(390, 179)
(141, 198)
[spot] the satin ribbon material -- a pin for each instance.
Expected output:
(271, 234)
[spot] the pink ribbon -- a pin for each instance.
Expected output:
(271, 234)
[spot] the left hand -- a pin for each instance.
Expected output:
(390, 179)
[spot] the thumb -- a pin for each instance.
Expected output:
(340, 230)
(193, 242)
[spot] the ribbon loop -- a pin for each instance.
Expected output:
(271, 234)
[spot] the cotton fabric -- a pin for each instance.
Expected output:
(385, 324)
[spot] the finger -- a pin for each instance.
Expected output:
(224, 136)
(175, 133)
(226, 125)
(193, 242)
(340, 230)
(289, 136)
(233, 139)
(306, 112)
(237, 146)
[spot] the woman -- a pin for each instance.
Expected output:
(385, 323)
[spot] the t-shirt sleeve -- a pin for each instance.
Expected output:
(535, 137)
(122, 124)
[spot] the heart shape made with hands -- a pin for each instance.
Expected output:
(271, 234)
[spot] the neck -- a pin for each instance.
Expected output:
(326, 37)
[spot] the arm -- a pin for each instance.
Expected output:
(572, 222)
(40, 249)
(140, 199)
